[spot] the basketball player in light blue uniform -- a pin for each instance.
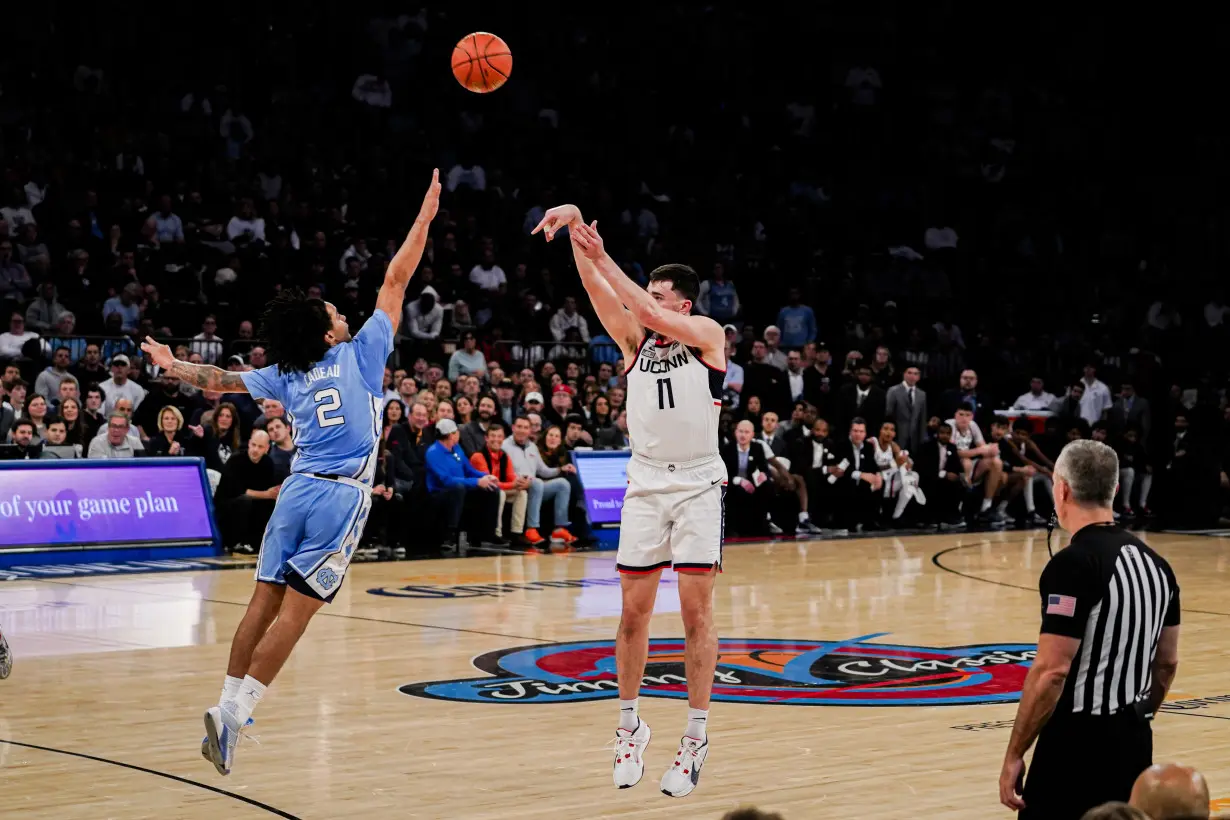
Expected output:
(330, 385)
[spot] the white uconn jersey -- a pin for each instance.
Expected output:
(673, 402)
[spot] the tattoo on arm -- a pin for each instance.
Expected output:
(208, 377)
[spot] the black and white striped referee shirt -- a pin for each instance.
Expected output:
(1114, 593)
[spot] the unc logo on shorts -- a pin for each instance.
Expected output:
(326, 578)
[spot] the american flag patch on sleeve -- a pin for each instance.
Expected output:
(1060, 605)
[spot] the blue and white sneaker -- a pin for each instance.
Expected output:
(683, 775)
(205, 741)
(221, 735)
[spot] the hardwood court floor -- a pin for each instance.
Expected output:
(112, 674)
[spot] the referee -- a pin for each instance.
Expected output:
(1107, 653)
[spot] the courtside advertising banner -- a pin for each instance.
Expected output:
(604, 475)
(114, 503)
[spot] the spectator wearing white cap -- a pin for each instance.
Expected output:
(119, 386)
(532, 403)
(773, 354)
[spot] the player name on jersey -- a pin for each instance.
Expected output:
(317, 373)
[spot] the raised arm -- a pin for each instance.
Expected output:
(618, 321)
(203, 376)
(694, 331)
(406, 261)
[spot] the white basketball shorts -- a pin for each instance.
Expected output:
(673, 516)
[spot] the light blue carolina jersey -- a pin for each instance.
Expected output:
(336, 408)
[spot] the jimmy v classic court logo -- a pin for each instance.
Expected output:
(854, 672)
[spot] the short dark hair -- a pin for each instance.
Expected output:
(944, 426)
(50, 420)
(999, 421)
(683, 279)
(65, 348)
(573, 418)
(858, 420)
(966, 406)
(1022, 423)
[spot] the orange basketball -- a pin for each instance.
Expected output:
(482, 62)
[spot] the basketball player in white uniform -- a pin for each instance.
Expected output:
(673, 511)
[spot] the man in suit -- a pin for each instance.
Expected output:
(614, 437)
(811, 460)
(772, 435)
(939, 475)
(863, 399)
(766, 381)
(856, 493)
(968, 393)
(905, 405)
(1130, 410)
(750, 492)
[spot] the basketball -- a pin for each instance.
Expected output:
(482, 62)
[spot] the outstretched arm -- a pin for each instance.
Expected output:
(204, 376)
(616, 318)
(694, 331)
(404, 263)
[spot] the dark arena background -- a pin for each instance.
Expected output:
(910, 218)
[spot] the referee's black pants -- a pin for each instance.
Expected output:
(1083, 761)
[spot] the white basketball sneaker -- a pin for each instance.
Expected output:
(683, 775)
(205, 742)
(629, 755)
(222, 731)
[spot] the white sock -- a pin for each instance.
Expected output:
(250, 693)
(230, 688)
(698, 722)
(986, 505)
(1029, 496)
(629, 717)
(1002, 506)
(803, 517)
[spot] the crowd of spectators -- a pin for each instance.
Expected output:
(880, 310)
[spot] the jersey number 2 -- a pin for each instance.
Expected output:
(666, 396)
(328, 401)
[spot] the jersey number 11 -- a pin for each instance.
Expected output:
(666, 396)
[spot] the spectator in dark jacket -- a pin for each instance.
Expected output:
(246, 495)
(939, 475)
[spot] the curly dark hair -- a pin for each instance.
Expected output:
(295, 327)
